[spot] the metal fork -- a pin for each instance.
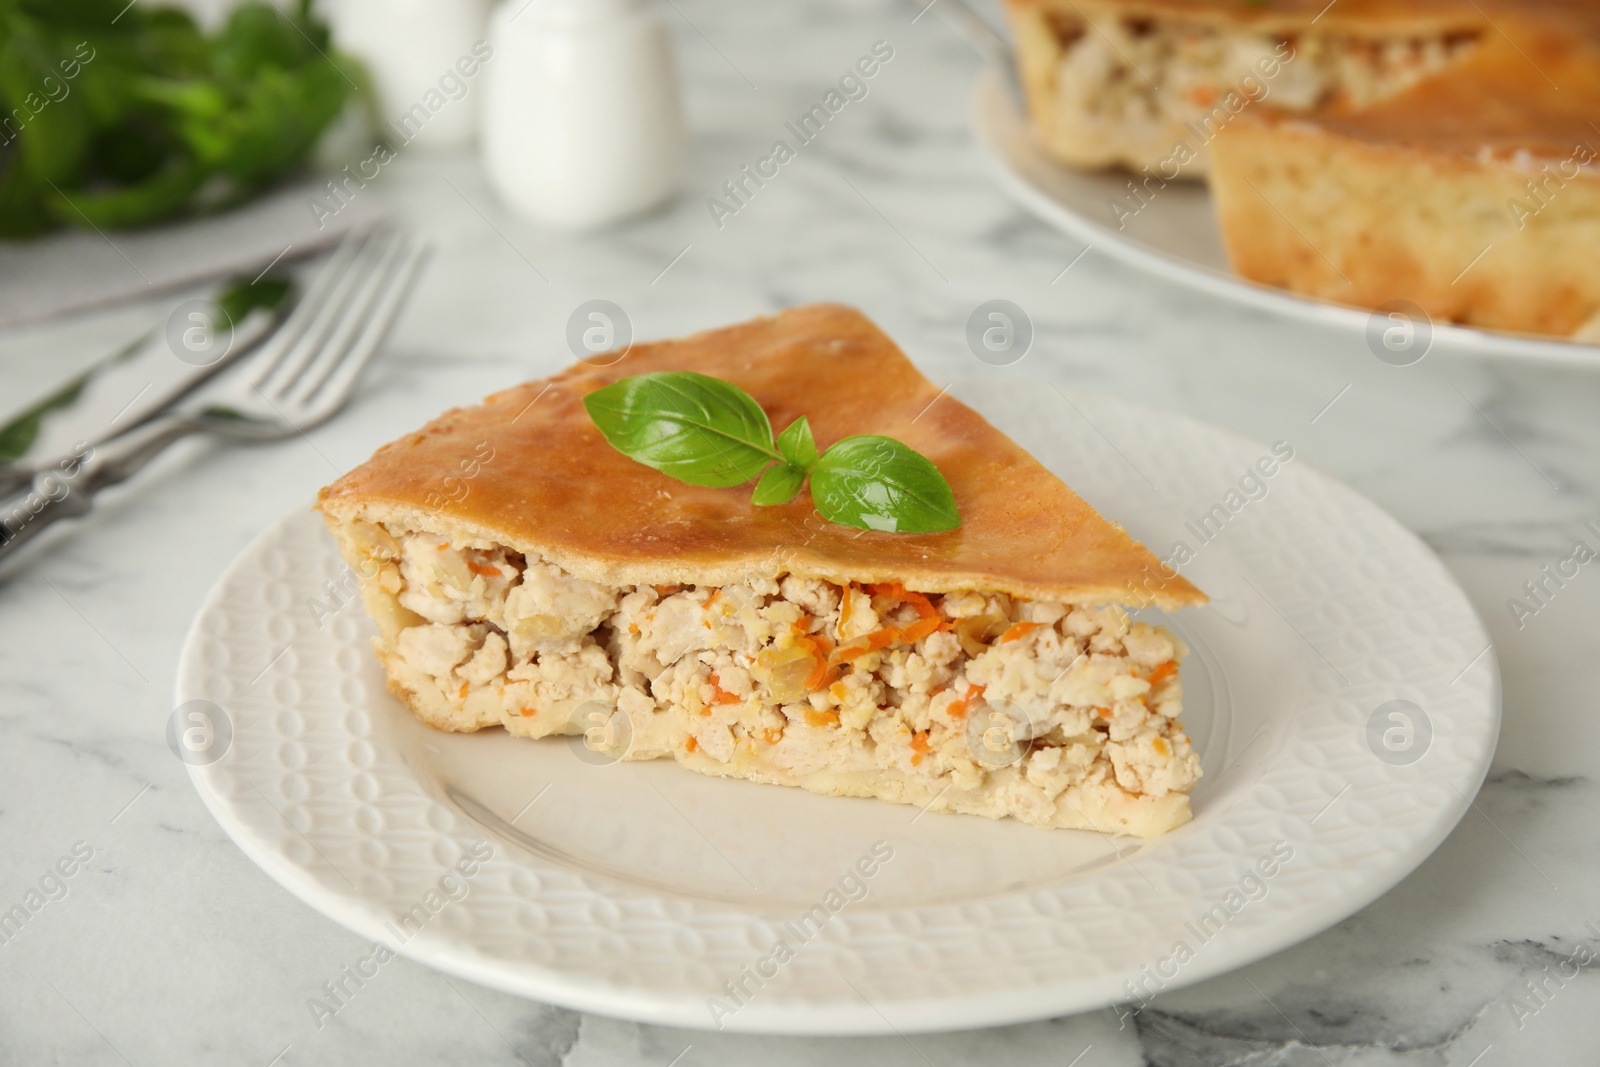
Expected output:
(298, 379)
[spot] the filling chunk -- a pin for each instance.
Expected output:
(1011, 703)
(1139, 91)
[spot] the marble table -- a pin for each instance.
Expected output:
(168, 946)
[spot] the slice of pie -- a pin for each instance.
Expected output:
(523, 573)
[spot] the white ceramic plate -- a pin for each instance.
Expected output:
(640, 890)
(1175, 235)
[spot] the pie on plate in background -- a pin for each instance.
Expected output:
(1440, 153)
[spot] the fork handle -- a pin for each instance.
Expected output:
(69, 491)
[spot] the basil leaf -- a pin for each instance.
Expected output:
(778, 485)
(22, 207)
(797, 444)
(18, 435)
(696, 429)
(877, 483)
(135, 114)
(242, 297)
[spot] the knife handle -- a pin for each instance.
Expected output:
(15, 479)
(68, 493)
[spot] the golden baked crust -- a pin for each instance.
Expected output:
(557, 490)
(1473, 196)
(1363, 224)
(1533, 88)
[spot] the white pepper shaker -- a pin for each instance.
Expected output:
(582, 120)
(424, 56)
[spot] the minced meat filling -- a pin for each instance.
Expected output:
(796, 674)
(1145, 75)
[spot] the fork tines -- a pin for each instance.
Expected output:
(314, 359)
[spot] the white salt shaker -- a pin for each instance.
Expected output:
(424, 57)
(582, 119)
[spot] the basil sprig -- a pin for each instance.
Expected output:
(706, 431)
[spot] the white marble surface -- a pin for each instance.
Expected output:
(172, 948)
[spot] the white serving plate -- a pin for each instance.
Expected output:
(639, 890)
(1175, 235)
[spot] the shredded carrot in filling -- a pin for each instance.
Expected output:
(893, 594)
(666, 590)
(1160, 745)
(720, 695)
(483, 569)
(1163, 672)
(691, 744)
(822, 718)
(819, 646)
(772, 735)
(830, 659)
(462, 695)
(1016, 630)
(919, 747)
(877, 639)
(884, 590)
(958, 709)
(528, 713)
(1104, 713)
(821, 675)
(918, 630)
(899, 594)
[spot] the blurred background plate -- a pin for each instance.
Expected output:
(1175, 235)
